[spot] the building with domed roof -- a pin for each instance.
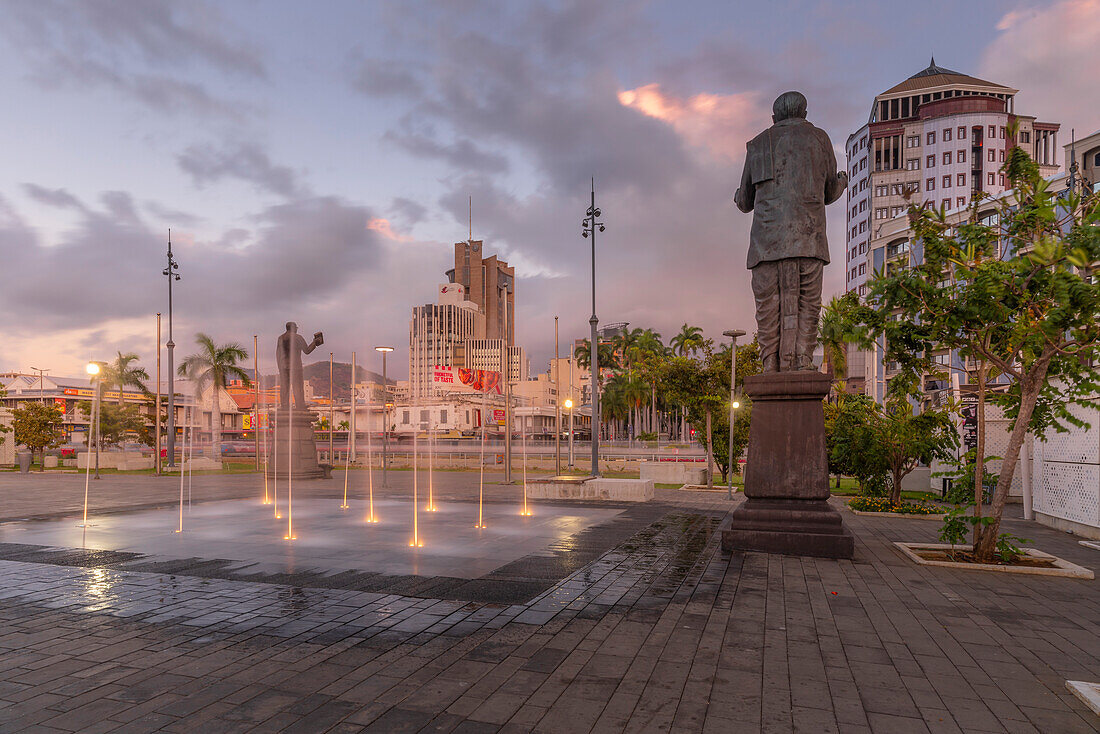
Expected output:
(935, 139)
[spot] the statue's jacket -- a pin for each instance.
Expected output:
(790, 175)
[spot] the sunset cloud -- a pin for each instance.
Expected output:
(720, 123)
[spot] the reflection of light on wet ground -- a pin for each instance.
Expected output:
(329, 540)
(99, 584)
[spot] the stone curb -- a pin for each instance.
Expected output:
(1062, 568)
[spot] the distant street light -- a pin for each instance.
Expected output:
(589, 226)
(41, 385)
(734, 405)
(385, 410)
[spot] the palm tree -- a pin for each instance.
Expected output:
(214, 365)
(614, 404)
(689, 341)
(606, 354)
(121, 374)
(835, 337)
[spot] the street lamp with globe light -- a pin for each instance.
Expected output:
(734, 405)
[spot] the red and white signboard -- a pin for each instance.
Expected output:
(460, 379)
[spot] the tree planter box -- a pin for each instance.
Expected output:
(906, 515)
(1060, 567)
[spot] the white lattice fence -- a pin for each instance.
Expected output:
(1067, 472)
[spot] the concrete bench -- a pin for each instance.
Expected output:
(673, 472)
(589, 488)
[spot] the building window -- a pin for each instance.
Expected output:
(405, 416)
(863, 205)
(930, 139)
(930, 184)
(946, 182)
(880, 214)
(898, 210)
(863, 268)
(960, 156)
(960, 179)
(960, 202)
(863, 290)
(863, 227)
(1025, 137)
(947, 158)
(913, 164)
(992, 179)
(992, 156)
(962, 132)
(862, 249)
(992, 131)
(913, 141)
(930, 161)
(946, 203)
(1002, 184)
(947, 135)
(1002, 155)
(1002, 132)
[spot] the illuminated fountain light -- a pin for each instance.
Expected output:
(371, 517)
(416, 542)
(526, 511)
(431, 466)
(275, 461)
(289, 483)
(183, 455)
(93, 370)
(481, 483)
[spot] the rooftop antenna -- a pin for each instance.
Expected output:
(471, 218)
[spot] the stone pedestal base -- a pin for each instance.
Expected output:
(297, 449)
(794, 527)
(787, 472)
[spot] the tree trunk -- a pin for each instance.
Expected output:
(710, 455)
(216, 425)
(895, 491)
(986, 542)
(979, 452)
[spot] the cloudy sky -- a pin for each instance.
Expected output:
(314, 160)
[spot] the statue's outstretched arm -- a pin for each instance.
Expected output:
(318, 340)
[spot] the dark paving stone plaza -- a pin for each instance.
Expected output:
(598, 617)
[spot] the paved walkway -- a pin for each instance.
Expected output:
(661, 632)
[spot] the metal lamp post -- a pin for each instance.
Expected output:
(385, 411)
(172, 275)
(734, 405)
(94, 369)
(569, 407)
(589, 226)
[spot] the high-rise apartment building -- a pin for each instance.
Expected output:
(935, 139)
(490, 283)
(438, 333)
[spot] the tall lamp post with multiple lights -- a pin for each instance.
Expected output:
(385, 410)
(734, 405)
(589, 226)
(172, 275)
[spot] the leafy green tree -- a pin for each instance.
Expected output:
(703, 387)
(608, 360)
(1019, 295)
(214, 365)
(38, 427)
(120, 374)
(117, 422)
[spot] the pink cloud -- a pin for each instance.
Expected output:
(720, 123)
(1051, 55)
(382, 227)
